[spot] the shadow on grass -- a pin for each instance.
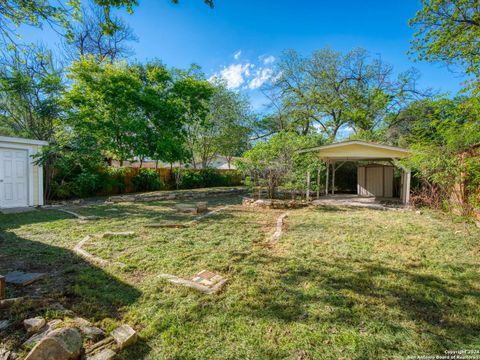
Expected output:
(443, 308)
(13, 221)
(87, 290)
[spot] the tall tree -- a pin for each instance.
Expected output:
(129, 111)
(30, 94)
(55, 13)
(90, 38)
(330, 89)
(449, 31)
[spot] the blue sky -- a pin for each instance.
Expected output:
(242, 40)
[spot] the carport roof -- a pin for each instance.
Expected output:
(358, 150)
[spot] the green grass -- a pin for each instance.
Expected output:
(340, 284)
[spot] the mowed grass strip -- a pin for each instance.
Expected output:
(340, 283)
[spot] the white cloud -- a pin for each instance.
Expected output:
(234, 75)
(237, 55)
(269, 60)
(261, 76)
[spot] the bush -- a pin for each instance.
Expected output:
(193, 179)
(147, 180)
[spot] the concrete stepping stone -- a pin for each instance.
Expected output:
(22, 278)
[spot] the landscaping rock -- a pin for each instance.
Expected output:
(60, 344)
(186, 208)
(123, 234)
(51, 326)
(124, 336)
(105, 354)
(6, 354)
(92, 332)
(79, 322)
(201, 206)
(34, 325)
(21, 278)
(4, 324)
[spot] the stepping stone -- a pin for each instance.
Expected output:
(4, 324)
(207, 278)
(21, 278)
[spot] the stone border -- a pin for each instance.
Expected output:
(191, 284)
(176, 195)
(78, 216)
(78, 249)
(279, 228)
(188, 223)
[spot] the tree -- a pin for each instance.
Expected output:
(276, 163)
(226, 129)
(57, 14)
(330, 90)
(194, 94)
(90, 39)
(449, 31)
(232, 115)
(30, 94)
(128, 111)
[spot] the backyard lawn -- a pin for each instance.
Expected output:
(339, 284)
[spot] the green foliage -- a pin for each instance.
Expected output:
(330, 89)
(449, 31)
(204, 178)
(276, 163)
(147, 180)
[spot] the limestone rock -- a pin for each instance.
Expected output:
(34, 325)
(60, 344)
(105, 354)
(92, 332)
(122, 234)
(51, 326)
(124, 336)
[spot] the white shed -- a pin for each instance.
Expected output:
(21, 180)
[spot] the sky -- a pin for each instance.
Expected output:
(241, 41)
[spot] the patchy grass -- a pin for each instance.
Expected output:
(339, 284)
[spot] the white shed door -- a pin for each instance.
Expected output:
(13, 178)
(374, 180)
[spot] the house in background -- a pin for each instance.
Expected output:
(218, 162)
(21, 180)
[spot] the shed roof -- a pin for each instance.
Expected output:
(17, 140)
(358, 150)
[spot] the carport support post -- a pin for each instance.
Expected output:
(333, 178)
(326, 179)
(318, 183)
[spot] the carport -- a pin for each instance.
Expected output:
(375, 174)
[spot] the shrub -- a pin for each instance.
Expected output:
(147, 180)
